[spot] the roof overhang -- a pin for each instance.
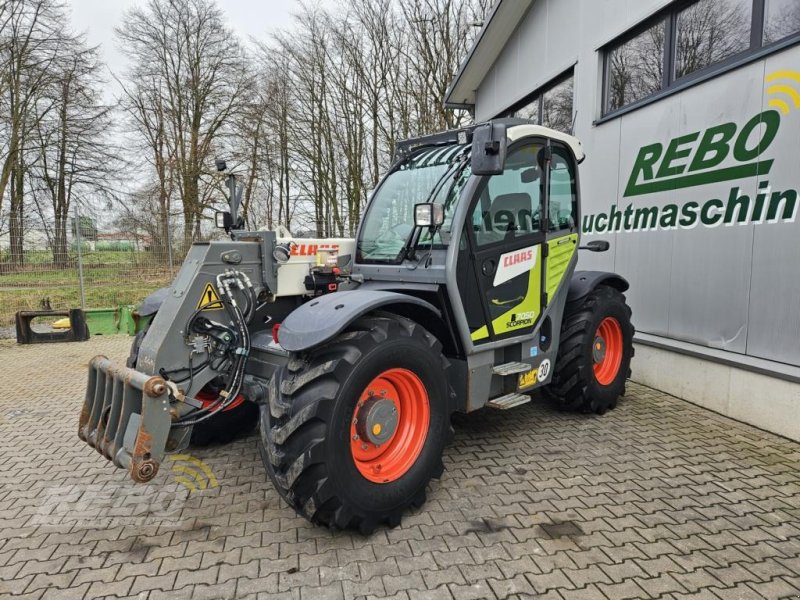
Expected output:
(492, 38)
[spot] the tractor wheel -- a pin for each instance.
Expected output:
(355, 429)
(594, 355)
(240, 418)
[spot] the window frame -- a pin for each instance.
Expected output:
(669, 84)
(537, 95)
(573, 166)
(483, 187)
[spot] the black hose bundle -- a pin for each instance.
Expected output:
(240, 319)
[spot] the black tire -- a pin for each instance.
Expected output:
(574, 385)
(223, 427)
(305, 427)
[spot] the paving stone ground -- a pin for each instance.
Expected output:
(656, 499)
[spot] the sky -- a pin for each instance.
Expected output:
(98, 18)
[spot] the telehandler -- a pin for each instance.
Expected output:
(459, 292)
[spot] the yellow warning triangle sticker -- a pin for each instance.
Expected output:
(210, 299)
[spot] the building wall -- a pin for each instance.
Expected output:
(732, 287)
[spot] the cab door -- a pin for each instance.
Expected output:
(500, 264)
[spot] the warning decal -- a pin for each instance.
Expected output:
(210, 299)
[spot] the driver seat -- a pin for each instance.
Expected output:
(509, 213)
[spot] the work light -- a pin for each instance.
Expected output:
(428, 214)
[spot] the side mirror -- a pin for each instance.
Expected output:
(596, 246)
(223, 220)
(489, 144)
(428, 214)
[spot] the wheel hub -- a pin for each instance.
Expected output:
(599, 349)
(377, 420)
(607, 350)
(389, 426)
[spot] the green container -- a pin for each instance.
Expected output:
(130, 322)
(102, 321)
(111, 321)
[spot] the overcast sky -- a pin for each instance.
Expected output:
(98, 18)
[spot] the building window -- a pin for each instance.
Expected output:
(634, 68)
(557, 106)
(781, 19)
(550, 105)
(710, 31)
(687, 40)
(530, 110)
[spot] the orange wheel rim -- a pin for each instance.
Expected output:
(389, 425)
(607, 351)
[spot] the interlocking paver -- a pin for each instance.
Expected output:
(656, 499)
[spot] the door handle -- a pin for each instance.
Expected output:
(497, 302)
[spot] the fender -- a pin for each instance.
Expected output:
(583, 282)
(153, 302)
(322, 318)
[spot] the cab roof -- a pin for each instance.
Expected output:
(524, 129)
(515, 129)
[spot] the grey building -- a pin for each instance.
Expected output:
(689, 113)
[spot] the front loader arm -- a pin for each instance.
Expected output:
(133, 416)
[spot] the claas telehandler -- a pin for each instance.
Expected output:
(459, 292)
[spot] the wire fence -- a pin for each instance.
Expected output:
(83, 267)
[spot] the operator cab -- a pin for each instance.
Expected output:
(506, 191)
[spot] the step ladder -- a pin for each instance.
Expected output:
(511, 368)
(509, 400)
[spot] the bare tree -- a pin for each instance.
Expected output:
(190, 66)
(33, 38)
(73, 153)
(782, 19)
(710, 31)
(345, 85)
(636, 67)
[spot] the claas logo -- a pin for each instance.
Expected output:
(312, 249)
(697, 158)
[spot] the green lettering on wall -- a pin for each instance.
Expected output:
(789, 197)
(644, 165)
(716, 143)
(772, 122)
(741, 204)
(689, 214)
(705, 215)
(600, 228)
(669, 216)
(649, 218)
(674, 183)
(678, 148)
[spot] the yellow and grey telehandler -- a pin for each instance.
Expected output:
(460, 291)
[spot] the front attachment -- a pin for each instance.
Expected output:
(126, 417)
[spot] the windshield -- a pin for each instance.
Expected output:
(389, 221)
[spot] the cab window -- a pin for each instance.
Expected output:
(563, 192)
(509, 206)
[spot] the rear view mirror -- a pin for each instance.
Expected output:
(530, 175)
(223, 220)
(489, 145)
(428, 214)
(596, 246)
